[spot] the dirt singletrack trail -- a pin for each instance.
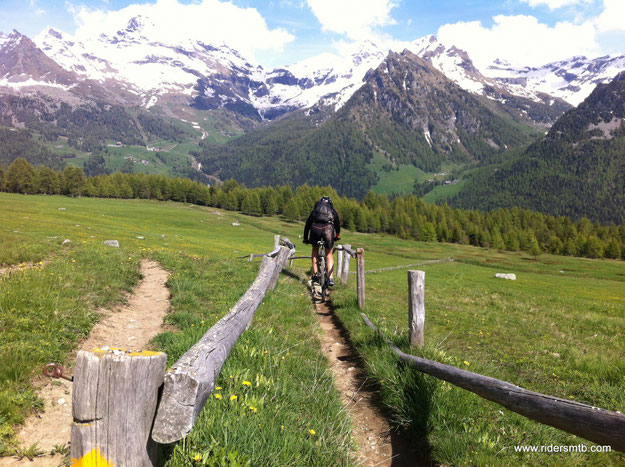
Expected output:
(130, 326)
(377, 444)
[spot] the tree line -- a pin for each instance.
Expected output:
(407, 217)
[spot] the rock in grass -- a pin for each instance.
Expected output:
(113, 243)
(140, 238)
(235, 224)
(511, 277)
(62, 209)
(66, 241)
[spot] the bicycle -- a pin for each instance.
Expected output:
(322, 269)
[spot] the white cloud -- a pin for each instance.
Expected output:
(554, 4)
(211, 21)
(521, 40)
(613, 16)
(356, 19)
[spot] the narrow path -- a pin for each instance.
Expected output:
(377, 444)
(131, 326)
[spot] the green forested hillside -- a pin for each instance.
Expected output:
(577, 170)
(86, 126)
(406, 111)
(16, 143)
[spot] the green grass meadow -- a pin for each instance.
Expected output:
(557, 329)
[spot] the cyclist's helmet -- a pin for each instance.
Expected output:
(326, 198)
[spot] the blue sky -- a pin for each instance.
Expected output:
(279, 32)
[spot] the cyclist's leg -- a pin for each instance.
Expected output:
(330, 261)
(315, 252)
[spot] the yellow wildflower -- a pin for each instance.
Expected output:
(253, 409)
(312, 432)
(217, 396)
(198, 457)
(467, 363)
(218, 388)
(233, 397)
(282, 427)
(246, 383)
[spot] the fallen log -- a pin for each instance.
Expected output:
(189, 382)
(600, 426)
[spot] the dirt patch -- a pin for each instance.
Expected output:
(377, 444)
(131, 326)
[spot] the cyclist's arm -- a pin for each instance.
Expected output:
(307, 226)
(337, 222)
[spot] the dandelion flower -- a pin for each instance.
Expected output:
(253, 409)
(219, 388)
(312, 432)
(282, 427)
(217, 396)
(198, 457)
(467, 363)
(233, 397)
(246, 383)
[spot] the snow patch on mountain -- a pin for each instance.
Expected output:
(571, 80)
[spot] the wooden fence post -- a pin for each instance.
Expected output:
(345, 271)
(113, 405)
(416, 307)
(276, 241)
(339, 265)
(280, 259)
(360, 285)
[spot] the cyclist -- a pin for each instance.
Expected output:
(323, 222)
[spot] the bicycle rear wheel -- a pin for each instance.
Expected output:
(323, 277)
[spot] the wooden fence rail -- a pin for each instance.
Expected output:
(601, 426)
(189, 382)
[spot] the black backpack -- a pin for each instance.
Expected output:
(322, 213)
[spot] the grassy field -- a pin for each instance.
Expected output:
(46, 309)
(558, 329)
(401, 179)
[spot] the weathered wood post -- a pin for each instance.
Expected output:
(276, 241)
(113, 405)
(280, 260)
(339, 264)
(416, 307)
(360, 285)
(345, 272)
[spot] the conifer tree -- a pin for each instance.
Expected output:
(48, 181)
(2, 179)
(21, 177)
(613, 250)
(74, 181)
(251, 204)
(291, 210)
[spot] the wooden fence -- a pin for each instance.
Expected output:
(604, 427)
(115, 396)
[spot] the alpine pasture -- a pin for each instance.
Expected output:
(557, 329)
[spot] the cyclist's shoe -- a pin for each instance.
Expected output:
(315, 279)
(330, 282)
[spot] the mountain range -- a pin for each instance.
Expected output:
(135, 66)
(327, 119)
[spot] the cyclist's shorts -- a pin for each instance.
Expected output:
(325, 231)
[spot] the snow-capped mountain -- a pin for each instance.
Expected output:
(22, 64)
(571, 80)
(138, 63)
(326, 76)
